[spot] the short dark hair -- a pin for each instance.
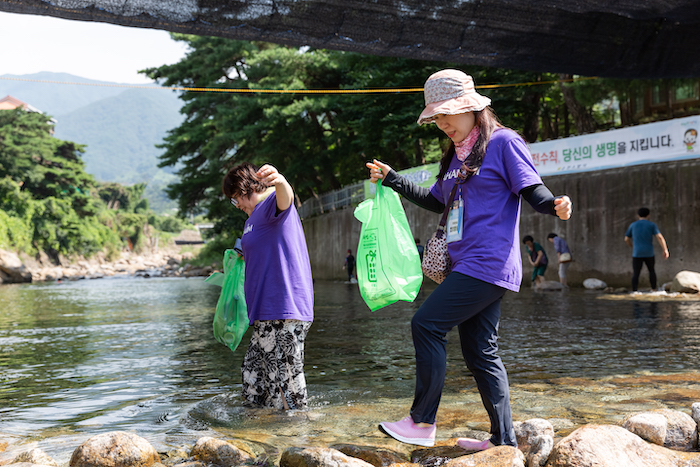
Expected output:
(528, 238)
(241, 180)
(552, 235)
(643, 212)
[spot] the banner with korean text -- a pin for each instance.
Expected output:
(642, 144)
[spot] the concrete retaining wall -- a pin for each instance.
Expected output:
(605, 203)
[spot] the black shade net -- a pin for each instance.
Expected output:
(620, 38)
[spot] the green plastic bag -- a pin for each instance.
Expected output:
(231, 316)
(388, 264)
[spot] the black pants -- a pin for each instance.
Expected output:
(637, 270)
(474, 307)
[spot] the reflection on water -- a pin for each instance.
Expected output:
(138, 354)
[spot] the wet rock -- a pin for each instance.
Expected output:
(594, 284)
(668, 428)
(437, 455)
(318, 457)
(176, 456)
(613, 446)
(216, 451)
(27, 464)
(500, 456)
(695, 412)
(378, 457)
(686, 282)
(561, 424)
(35, 456)
(11, 268)
(115, 449)
(536, 440)
(649, 426)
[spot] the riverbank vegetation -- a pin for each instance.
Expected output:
(48, 203)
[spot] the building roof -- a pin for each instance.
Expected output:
(8, 103)
(623, 38)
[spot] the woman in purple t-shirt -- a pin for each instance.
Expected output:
(278, 286)
(483, 246)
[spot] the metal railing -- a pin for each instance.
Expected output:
(348, 196)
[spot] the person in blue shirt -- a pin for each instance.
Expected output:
(640, 235)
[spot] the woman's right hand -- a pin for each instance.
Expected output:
(377, 170)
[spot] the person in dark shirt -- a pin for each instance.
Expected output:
(349, 265)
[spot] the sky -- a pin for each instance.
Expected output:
(100, 51)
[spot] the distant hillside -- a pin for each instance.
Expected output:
(121, 133)
(120, 126)
(55, 99)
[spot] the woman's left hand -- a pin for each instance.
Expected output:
(563, 207)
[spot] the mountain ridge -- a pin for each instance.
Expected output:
(120, 124)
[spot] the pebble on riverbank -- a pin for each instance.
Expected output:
(658, 438)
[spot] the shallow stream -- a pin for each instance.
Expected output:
(134, 354)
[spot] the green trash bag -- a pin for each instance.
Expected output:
(388, 264)
(231, 316)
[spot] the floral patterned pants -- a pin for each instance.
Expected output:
(274, 364)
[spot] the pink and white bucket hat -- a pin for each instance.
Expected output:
(450, 92)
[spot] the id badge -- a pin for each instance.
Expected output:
(455, 221)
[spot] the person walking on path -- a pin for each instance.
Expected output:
(640, 236)
(349, 265)
(278, 286)
(486, 260)
(563, 255)
(538, 259)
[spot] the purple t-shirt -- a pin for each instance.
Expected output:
(489, 249)
(278, 282)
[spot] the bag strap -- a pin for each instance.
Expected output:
(443, 220)
(461, 179)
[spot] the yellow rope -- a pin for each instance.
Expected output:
(287, 91)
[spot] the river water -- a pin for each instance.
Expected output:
(134, 354)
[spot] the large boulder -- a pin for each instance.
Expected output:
(536, 440)
(613, 446)
(318, 457)
(378, 457)
(500, 456)
(216, 451)
(114, 449)
(668, 428)
(11, 268)
(686, 282)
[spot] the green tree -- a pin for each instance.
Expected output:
(41, 164)
(321, 141)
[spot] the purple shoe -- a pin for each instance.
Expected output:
(473, 444)
(408, 432)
